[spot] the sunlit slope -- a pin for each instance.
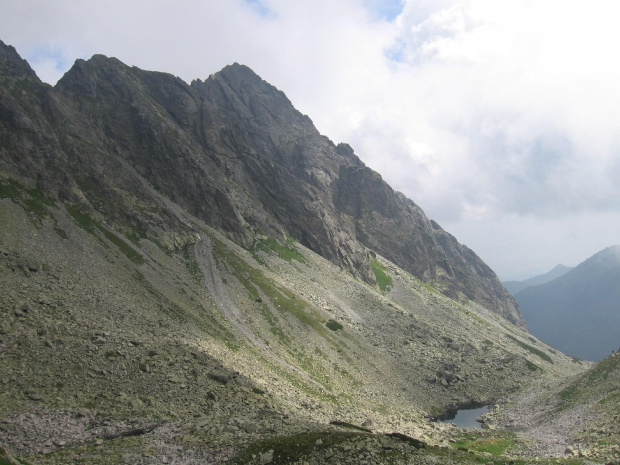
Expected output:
(251, 342)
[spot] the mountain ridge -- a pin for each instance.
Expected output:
(295, 183)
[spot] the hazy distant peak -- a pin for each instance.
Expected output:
(560, 268)
(612, 252)
(608, 258)
(515, 287)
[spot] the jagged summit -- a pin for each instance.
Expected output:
(239, 72)
(12, 66)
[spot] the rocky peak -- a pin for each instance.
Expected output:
(12, 66)
(233, 151)
(240, 97)
(100, 77)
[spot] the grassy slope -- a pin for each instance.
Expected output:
(598, 391)
(126, 329)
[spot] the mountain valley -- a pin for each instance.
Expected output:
(192, 274)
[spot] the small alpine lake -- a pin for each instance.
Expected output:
(465, 417)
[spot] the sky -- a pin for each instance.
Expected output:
(498, 118)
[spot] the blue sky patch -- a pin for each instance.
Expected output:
(385, 9)
(396, 52)
(45, 53)
(48, 53)
(49, 62)
(259, 7)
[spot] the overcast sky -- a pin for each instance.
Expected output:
(499, 118)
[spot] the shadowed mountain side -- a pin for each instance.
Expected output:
(578, 313)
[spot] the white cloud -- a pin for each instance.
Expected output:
(485, 113)
(519, 247)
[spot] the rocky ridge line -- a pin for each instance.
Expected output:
(233, 151)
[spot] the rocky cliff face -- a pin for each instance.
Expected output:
(232, 150)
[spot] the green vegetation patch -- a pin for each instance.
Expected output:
(428, 287)
(4, 459)
(384, 281)
(569, 393)
(82, 219)
(409, 440)
(254, 280)
(491, 445)
(531, 366)
(260, 288)
(333, 325)
(531, 349)
(6, 462)
(135, 236)
(602, 370)
(129, 252)
(31, 199)
(190, 262)
(110, 452)
(286, 252)
(344, 424)
(61, 232)
(612, 401)
(90, 225)
(288, 449)
(277, 306)
(599, 373)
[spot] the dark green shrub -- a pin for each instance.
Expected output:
(333, 325)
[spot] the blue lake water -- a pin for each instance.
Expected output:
(466, 418)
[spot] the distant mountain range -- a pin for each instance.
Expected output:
(579, 311)
(517, 286)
